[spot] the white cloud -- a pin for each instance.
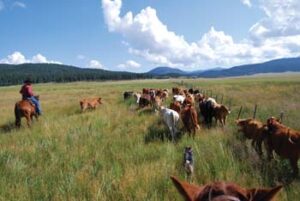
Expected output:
(19, 4)
(277, 35)
(130, 64)
(19, 58)
(95, 64)
(282, 19)
(247, 3)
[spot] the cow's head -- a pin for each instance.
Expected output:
(99, 100)
(221, 191)
(242, 122)
(272, 121)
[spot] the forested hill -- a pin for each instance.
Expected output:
(41, 73)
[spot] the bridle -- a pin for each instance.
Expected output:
(221, 197)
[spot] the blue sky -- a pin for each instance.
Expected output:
(137, 35)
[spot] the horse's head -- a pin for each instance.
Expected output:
(37, 97)
(222, 191)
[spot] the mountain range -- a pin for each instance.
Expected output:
(274, 66)
(40, 73)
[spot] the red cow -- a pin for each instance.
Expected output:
(190, 119)
(91, 103)
(284, 141)
(175, 106)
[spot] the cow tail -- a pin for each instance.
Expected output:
(173, 125)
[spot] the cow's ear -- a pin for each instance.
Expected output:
(263, 194)
(188, 191)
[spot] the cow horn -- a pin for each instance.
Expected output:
(291, 140)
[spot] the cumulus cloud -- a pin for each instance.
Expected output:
(19, 58)
(275, 36)
(19, 4)
(95, 64)
(130, 64)
(282, 19)
(247, 3)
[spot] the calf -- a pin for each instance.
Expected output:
(253, 130)
(171, 119)
(220, 113)
(190, 119)
(284, 141)
(91, 103)
(223, 191)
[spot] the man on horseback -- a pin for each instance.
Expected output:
(27, 94)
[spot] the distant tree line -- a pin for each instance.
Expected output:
(42, 73)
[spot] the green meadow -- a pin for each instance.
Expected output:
(119, 153)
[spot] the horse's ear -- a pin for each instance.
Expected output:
(188, 191)
(263, 194)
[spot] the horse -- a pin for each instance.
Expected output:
(25, 108)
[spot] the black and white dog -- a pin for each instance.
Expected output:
(188, 161)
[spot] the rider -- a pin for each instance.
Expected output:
(27, 94)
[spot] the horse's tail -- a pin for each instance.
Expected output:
(17, 115)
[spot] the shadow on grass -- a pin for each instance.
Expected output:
(160, 132)
(8, 127)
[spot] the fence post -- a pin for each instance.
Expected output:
(254, 113)
(240, 112)
(281, 116)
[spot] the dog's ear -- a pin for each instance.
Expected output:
(263, 194)
(188, 191)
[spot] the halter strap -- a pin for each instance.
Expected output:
(221, 197)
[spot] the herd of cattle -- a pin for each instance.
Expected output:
(184, 107)
(275, 136)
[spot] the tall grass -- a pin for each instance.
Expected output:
(119, 153)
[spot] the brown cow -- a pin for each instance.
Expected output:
(253, 130)
(175, 106)
(91, 103)
(223, 191)
(146, 91)
(176, 91)
(220, 113)
(189, 100)
(190, 119)
(157, 103)
(284, 141)
(145, 100)
(25, 108)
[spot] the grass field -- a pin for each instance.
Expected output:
(118, 153)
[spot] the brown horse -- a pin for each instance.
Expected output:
(25, 108)
(223, 191)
